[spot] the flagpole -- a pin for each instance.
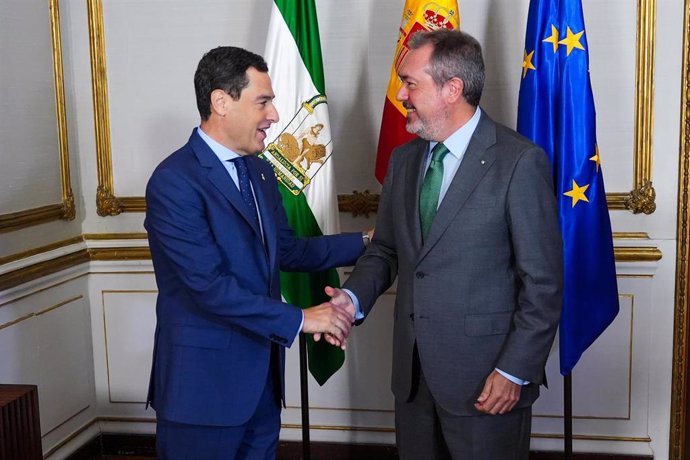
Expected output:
(568, 416)
(304, 390)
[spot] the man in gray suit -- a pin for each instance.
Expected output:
(468, 223)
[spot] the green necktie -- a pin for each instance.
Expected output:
(428, 197)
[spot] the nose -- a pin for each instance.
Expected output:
(402, 94)
(273, 114)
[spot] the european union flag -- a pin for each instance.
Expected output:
(556, 111)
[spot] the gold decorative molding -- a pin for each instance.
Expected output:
(128, 419)
(343, 409)
(63, 262)
(644, 103)
(589, 437)
(48, 267)
(637, 254)
(65, 210)
(41, 249)
(630, 236)
(16, 220)
(135, 253)
(375, 429)
(132, 203)
(106, 202)
(641, 198)
(39, 313)
(115, 236)
(359, 203)
(678, 449)
(68, 208)
(41, 269)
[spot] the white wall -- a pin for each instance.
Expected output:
(102, 337)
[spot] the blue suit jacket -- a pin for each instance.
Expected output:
(219, 308)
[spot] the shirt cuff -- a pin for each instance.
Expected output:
(512, 378)
(358, 311)
(301, 325)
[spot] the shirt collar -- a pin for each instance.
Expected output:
(457, 142)
(222, 152)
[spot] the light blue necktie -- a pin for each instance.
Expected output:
(431, 188)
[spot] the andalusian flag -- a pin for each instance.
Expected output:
(299, 152)
(417, 15)
(556, 111)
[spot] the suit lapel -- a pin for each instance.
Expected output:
(414, 175)
(475, 163)
(219, 177)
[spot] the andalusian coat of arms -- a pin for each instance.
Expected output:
(302, 148)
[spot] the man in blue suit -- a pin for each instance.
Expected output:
(219, 236)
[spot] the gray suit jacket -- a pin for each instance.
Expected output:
(484, 290)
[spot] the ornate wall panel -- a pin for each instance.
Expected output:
(45, 336)
(65, 209)
(641, 199)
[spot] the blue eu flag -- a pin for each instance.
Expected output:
(556, 111)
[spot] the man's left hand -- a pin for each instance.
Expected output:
(499, 395)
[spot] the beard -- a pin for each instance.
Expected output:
(427, 127)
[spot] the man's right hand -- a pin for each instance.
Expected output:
(340, 299)
(330, 319)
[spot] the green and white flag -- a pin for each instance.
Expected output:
(299, 152)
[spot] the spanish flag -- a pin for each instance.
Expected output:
(417, 15)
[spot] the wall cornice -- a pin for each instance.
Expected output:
(122, 247)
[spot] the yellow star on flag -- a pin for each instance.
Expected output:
(572, 40)
(596, 158)
(527, 63)
(553, 38)
(577, 193)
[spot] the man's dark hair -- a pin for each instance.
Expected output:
(456, 54)
(224, 68)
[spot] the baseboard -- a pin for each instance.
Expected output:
(586, 456)
(144, 446)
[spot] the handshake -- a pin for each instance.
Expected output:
(333, 320)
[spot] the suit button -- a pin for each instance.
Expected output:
(419, 275)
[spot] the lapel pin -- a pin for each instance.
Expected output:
(262, 177)
(482, 162)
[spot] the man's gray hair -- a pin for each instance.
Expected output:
(456, 54)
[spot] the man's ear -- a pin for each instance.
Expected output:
(455, 88)
(219, 102)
